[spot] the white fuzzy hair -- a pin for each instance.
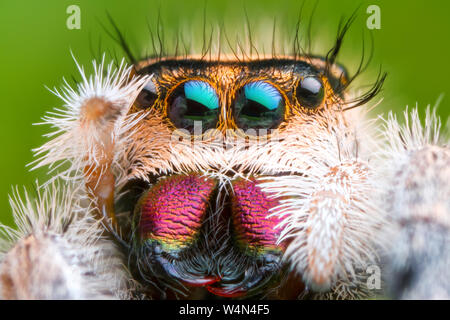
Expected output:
(78, 140)
(58, 250)
(59, 225)
(329, 213)
(415, 166)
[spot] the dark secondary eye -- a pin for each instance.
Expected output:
(194, 101)
(310, 92)
(259, 105)
(147, 97)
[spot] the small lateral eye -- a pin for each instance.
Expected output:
(259, 106)
(310, 92)
(148, 96)
(193, 101)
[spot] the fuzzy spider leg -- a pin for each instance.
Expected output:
(61, 250)
(89, 131)
(58, 250)
(330, 215)
(416, 171)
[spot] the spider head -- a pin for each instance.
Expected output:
(209, 131)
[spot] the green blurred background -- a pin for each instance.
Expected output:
(412, 46)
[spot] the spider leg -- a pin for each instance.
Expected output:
(90, 131)
(418, 204)
(58, 251)
(61, 250)
(330, 216)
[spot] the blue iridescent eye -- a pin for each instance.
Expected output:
(203, 93)
(259, 105)
(194, 101)
(263, 93)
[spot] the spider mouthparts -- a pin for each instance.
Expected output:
(227, 293)
(188, 236)
(251, 281)
(201, 282)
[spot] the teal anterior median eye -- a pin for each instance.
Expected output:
(203, 93)
(259, 105)
(263, 93)
(194, 103)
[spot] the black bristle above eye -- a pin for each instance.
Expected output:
(337, 76)
(363, 66)
(369, 94)
(334, 51)
(117, 35)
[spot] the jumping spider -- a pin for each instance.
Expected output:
(228, 175)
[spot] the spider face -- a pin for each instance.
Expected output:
(210, 131)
